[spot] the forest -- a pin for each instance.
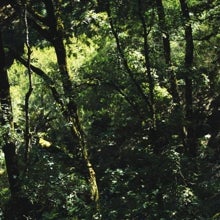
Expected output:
(109, 110)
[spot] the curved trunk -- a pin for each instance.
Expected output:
(73, 117)
(55, 26)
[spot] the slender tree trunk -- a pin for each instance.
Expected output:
(153, 134)
(7, 125)
(167, 52)
(190, 142)
(173, 87)
(27, 135)
(18, 206)
(148, 68)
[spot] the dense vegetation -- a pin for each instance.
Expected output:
(109, 109)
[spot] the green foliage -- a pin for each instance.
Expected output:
(141, 173)
(4, 190)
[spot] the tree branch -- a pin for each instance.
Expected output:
(49, 82)
(125, 62)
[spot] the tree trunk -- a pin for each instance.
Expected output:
(7, 125)
(190, 141)
(173, 87)
(167, 52)
(55, 36)
(148, 67)
(18, 206)
(73, 117)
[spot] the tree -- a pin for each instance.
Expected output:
(54, 33)
(129, 87)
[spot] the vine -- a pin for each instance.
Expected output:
(27, 135)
